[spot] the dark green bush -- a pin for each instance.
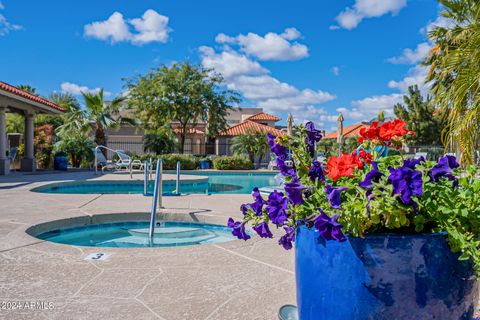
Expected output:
(187, 162)
(232, 163)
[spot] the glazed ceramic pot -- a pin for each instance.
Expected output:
(392, 277)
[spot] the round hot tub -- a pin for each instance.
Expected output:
(131, 234)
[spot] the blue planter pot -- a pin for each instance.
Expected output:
(390, 277)
(60, 163)
(205, 164)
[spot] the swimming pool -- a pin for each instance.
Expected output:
(135, 235)
(218, 182)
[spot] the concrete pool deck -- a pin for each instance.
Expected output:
(232, 280)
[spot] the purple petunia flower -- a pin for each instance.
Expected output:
(238, 229)
(411, 163)
(294, 190)
(256, 206)
(274, 147)
(444, 169)
(263, 230)
(287, 240)
(407, 183)
(328, 227)
(334, 195)
(313, 135)
(373, 176)
(277, 206)
(285, 170)
(316, 171)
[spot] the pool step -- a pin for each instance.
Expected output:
(157, 241)
(170, 232)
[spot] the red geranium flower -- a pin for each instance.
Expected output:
(391, 129)
(370, 133)
(365, 156)
(343, 166)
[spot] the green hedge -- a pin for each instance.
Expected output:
(170, 161)
(232, 163)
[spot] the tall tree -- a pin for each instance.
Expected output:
(420, 116)
(183, 93)
(454, 72)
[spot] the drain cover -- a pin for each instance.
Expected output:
(97, 256)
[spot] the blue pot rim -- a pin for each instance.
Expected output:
(390, 235)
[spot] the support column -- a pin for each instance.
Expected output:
(28, 160)
(4, 161)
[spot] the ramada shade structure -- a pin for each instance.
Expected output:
(13, 99)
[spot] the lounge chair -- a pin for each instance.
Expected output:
(124, 162)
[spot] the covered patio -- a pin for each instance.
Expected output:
(15, 100)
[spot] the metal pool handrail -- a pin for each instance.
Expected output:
(157, 197)
(178, 178)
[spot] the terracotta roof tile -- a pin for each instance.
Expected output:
(352, 131)
(262, 116)
(16, 91)
(247, 126)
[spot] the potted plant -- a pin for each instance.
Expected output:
(60, 161)
(376, 236)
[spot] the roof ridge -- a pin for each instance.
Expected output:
(11, 88)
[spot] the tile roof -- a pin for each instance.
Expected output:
(190, 131)
(352, 131)
(247, 126)
(262, 116)
(16, 91)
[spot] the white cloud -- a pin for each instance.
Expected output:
(151, 27)
(256, 84)
(75, 89)
(415, 76)
(335, 70)
(410, 56)
(272, 46)
(5, 25)
(114, 29)
(229, 63)
(370, 107)
(352, 16)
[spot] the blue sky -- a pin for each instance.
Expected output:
(311, 58)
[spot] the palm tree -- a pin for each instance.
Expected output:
(28, 88)
(97, 114)
(454, 72)
(251, 144)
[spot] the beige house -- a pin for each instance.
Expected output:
(239, 121)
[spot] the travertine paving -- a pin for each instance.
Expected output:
(233, 280)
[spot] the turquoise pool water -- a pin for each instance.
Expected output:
(135, 235)
(218, 182)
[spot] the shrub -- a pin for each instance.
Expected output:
(187, 162)
(232, 163)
